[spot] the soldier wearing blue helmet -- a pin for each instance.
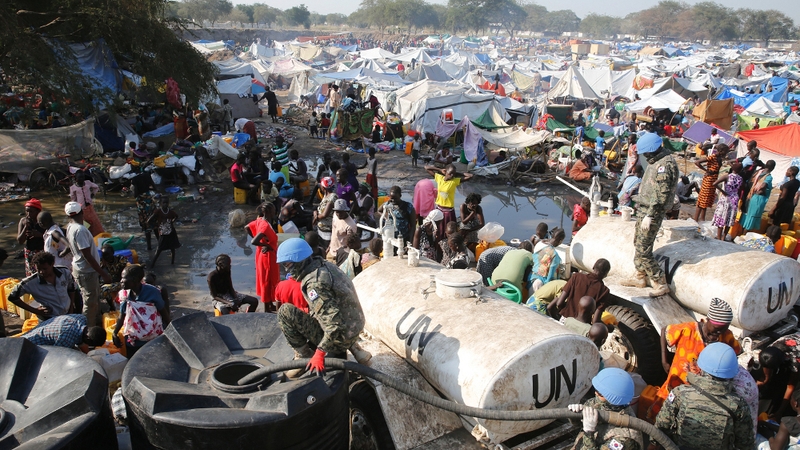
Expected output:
(334, 318)
(613, 392)
(707, 413)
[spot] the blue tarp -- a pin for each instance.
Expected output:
(745, 100)
(484, 58)
(96, 62)
(162, 131)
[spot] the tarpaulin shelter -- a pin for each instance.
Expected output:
(21, 151)
(572, 84)
(668, 99)
(780, 143)
(718, 112)
(420, 55)
(208, 47)
(766, 108)
(238, 92)
(422, 103)
(489, 121)
(747, 122)
(700, 132)
(97, 63)
(376, 53)
(610, 82)
(432, 72)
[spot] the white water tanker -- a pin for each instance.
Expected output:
(483, 351)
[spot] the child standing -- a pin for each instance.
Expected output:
(165, 219)
(324, 125)
(312, 125)
(415, 150)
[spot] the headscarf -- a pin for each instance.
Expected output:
(34, 203)
(719, 312)
(433, 217)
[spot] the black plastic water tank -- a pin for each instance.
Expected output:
(181, 390)
(52, 398)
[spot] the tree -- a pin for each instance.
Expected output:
(714, 22)
(210, 10)
(510, 15)
(47, 64)
(265, 14)
(248, 11)
(298, 15)
(316, 19)
(767, 25)
(336, 19)
(560, 22)
(536, 17)
(657, 21)
(470, 15)
(237, 16)
(600, 26)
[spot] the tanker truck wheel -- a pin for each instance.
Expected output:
(368, 429)
(638, 343)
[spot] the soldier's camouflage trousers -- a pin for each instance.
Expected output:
(643, 258)
(298, 327)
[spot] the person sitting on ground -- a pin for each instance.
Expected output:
(689, 339)
(443, 156)
(143, 314)
(289, 291)
(113, 264)
(501, 156)
(52, 287)
(767, 242)
(347, 257)
(224, 297)
(68, 330)
(542, 233)
(546, 261)
(374, 254)
(580, 214)
(581, 285)
(376, 135)
(630, 186)
(685, 188)
(454, 253)
(514, 268)
(581, 168)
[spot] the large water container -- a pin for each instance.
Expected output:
(181, 390)
(484, 351)
(52, 398)
(760, 287)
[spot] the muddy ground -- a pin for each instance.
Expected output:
(204, 230)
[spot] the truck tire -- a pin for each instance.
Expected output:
(368, 428)
(637, 341)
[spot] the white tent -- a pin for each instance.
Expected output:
(370, 64)
(766, 108)
(428, 72)
(422, 103)
(233, 68)
(238, 93)
(417, 53)
(260, 51)
(608, 82)
(668, 99)
(376, 53)
(572, 84)
(208, 47)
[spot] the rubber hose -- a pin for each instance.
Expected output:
(613, 418)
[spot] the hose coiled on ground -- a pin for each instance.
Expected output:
(613, 418)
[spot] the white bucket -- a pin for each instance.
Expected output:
(413, 257)
(627, 213)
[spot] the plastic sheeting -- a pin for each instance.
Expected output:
(572, 84)
(663, 100)
(778, 143)
(21, 151)
(97, 62)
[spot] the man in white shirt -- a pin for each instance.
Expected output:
(54, 241)
(85, 264)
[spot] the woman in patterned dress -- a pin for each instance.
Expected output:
(707, 190)
(728, 204)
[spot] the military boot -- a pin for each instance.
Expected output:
(300, 353)
(639, 280)
(361, 355)
(660, 286)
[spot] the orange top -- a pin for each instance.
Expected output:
(688, 343)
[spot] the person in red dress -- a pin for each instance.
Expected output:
(580, 214)
(267, 269)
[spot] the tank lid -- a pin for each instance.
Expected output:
(459, 278)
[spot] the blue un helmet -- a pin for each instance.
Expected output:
(719, 360)
(294, 250)
(648, 143)
(615, 385)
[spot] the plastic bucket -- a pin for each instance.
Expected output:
(239, 196)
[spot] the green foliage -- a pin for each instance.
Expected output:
(600, 26)
(210, 10)
(140, 35)
(248, 11)
(562, 21)
(336, 19)
(767, 25)
(298, 15)
(265, 14)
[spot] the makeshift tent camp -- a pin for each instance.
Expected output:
(417, 54)
(376, 53)
(766, 107)
(663, 100)
(428, 72)
(718, 112)
(572, 84)
(780, 143)
(700, 132)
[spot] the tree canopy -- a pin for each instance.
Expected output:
(36, 57)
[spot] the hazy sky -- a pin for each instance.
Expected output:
(581, 7)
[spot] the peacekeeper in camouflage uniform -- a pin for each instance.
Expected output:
(614, 392)
(334, 318)
(707, 414)
(656, 194)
